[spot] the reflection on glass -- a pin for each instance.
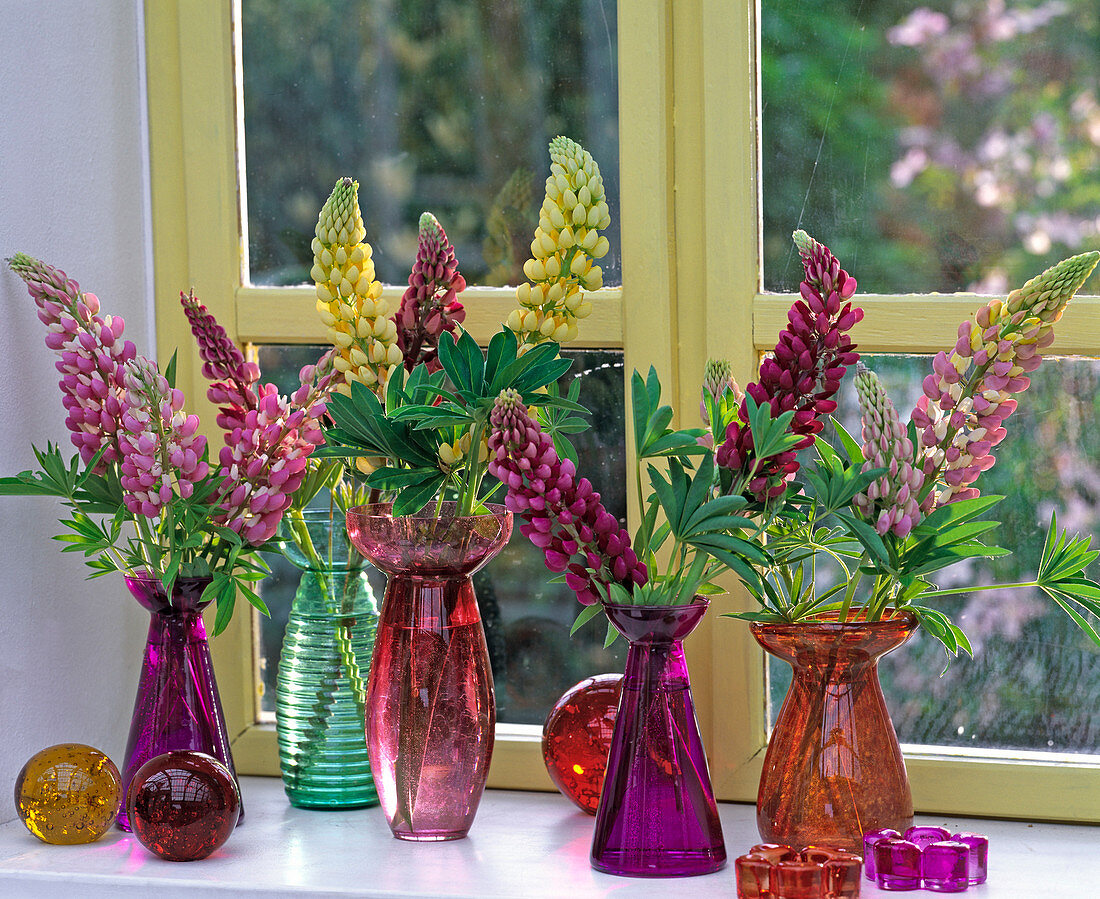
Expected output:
(445, 107)
(527, 619)
(1034, 681)
(940, 145)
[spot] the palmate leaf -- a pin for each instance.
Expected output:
(849, 444)
(941, 627)
(868, 537)
(558, 420)
(587, 613)
(770, 436)
(413, 498)
(652, 435)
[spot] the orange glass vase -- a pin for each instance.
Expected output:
(833, 769)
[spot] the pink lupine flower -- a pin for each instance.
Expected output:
(265, 458)
(92, 352)
(232, 390)
(162, 453)
(268, 437)
(561, 513)
(968, 396)
(803, 373)
(429, 306)
(890, 502)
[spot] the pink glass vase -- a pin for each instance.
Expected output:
(177, 705)
(657, 816)
(430, 713)
(833, 769)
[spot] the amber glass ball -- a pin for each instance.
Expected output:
(577, 736)
(183, 805)
(68, 793)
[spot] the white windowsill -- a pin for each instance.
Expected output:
(521, 845)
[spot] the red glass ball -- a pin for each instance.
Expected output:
(577, 736)
(183, 805)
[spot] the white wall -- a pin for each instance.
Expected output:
(73, 192)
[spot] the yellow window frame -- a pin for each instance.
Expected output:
(690, 250)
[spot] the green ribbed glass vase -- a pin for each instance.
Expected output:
(321, 687)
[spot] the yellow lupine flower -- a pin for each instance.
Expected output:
(349, 299)
(564, 249)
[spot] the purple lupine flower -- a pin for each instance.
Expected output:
(429, 307)
(561, 513)
(803, 373)
(162, 453)
(264, 460)
(92, 352)
(968, 396)
(234, 379)
(890, 501)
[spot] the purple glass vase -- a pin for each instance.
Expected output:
(430, 711)
(657, 816)
(177, 705)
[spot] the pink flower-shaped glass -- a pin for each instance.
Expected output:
(430, 710)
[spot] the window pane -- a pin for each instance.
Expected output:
(1034, 681)
(527, 619)
(439, 106)
(946, 145)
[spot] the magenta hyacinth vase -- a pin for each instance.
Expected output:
(430, 710)
(177, 705)
(657, 816)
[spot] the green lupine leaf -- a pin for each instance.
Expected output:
(653, 387)
(639, 404)
(587, 613)
(867, 536)
(416, 496)
(957, 512)
(502, 350)
(849, 443)
(223, 591)
(676, 443)
(387, 478)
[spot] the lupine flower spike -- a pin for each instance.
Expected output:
(968, 396)
(718, 386)
(349, 299)
(162, 453)
(268, 437)
(804, 372)
(429, 306)
(890, 502)
(93, 355)
(567, 242)
(234, 378)
(561, 513)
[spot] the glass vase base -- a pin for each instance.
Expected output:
(335, 803)
(430, 836)
(668, 864)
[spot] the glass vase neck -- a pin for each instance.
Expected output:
(186, 595)
(427, 545)
(656, 624)
(817, 642)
